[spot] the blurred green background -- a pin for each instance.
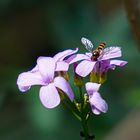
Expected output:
(32, 28)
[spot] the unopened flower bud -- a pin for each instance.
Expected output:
(78, 106)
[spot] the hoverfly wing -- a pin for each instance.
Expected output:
(110, 52)
(87, 43)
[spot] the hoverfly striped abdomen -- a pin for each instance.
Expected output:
(101, 46)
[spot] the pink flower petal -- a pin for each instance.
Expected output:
(77, 57)
(27, 79)
(92, 87)
(46, 67)
(118, 62)
(62, 66)
(97, 102)
(61, 55)
(49, 96)
(85, 67)
(62, 84)
(110, 52)
(35, 69)
(89, 54)
(95, 111)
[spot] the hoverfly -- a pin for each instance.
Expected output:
(99, 52)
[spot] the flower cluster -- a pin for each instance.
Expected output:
(52, 74)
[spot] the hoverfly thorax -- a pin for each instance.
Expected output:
(95, 55)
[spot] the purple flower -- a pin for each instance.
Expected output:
(98, 104)
(101, 65)
(43, 74)
(61, 64)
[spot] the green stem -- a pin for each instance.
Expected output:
(80, 91)
(73, 110)
(81, 97)
(70, 106)
(83, 116)
(85, 129)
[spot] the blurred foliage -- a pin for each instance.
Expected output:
(31, 28)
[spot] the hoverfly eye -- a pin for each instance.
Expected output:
(94, 53)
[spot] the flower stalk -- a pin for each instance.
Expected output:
(85, 129)
(83, 115)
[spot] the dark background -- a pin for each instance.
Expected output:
(32, 28)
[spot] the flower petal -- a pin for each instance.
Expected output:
(35, 69)
(77, 57)
(118, 62)
(92, 87)
(89, 54)
(49, 96)
(62, 84)
(110, 52)
(99, 103)
(46, 67)
(85, 67)
(103, 65)
(95, 111)
(27, 79)
(62, 66)
(61, 55)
